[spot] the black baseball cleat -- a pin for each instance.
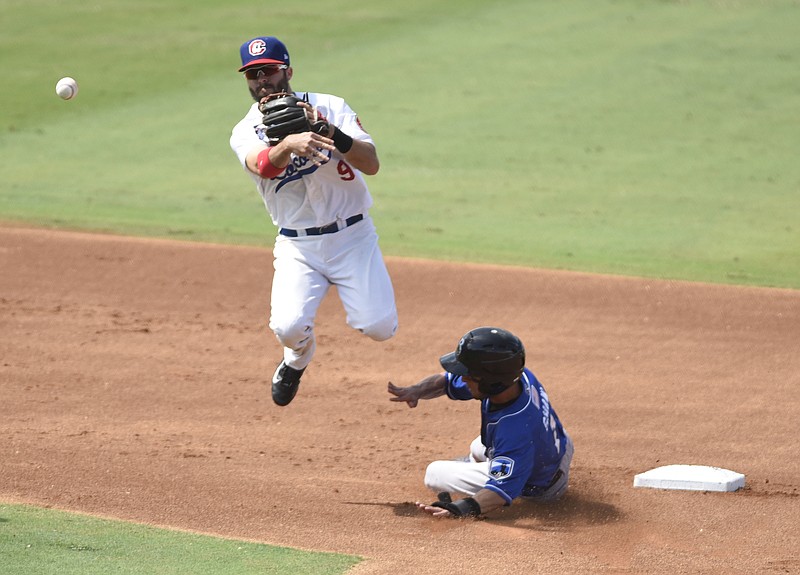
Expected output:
(285, 383)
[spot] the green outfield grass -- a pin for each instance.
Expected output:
(647, 138)
(48, 542)
(630, 137)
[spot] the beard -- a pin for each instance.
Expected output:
(264, 89)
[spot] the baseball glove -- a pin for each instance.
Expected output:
(284, 116)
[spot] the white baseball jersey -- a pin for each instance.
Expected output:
(337, 190)
(305, 196)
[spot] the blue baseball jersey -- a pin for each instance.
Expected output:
(524, 440)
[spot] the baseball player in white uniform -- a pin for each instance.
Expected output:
(315, 192)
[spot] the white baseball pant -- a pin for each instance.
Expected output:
(305, 269)
(469, 477)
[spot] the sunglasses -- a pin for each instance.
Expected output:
(262, 72)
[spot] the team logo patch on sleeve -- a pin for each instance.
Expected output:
(501, 467)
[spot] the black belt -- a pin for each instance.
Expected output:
(535, 491)
(328, 229)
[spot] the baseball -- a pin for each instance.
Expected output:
(67, 88)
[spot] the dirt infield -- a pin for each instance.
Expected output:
(134, 375)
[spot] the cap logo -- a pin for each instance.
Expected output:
(257, 47)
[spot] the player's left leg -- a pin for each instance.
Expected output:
(465, 477)
(363, 282)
